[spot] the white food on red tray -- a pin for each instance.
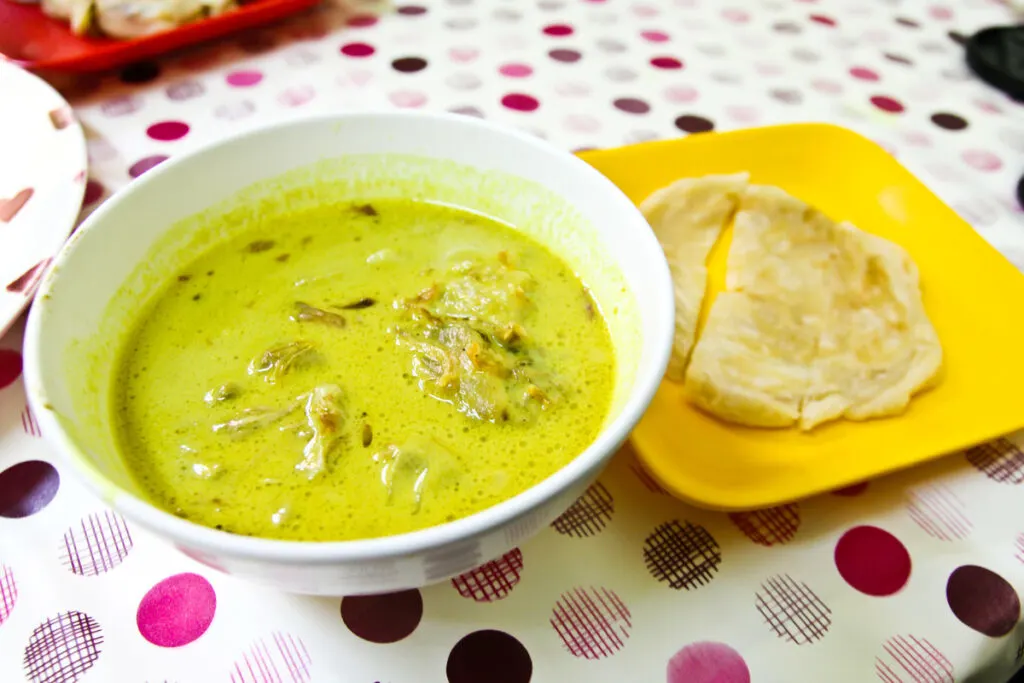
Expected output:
(127, 19)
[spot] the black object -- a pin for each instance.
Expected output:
(996, 55)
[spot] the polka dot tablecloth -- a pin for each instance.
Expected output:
(912, 578)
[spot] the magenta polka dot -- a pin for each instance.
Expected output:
(863, 73)
(655, 36)
(515, 70)
(558, 30)
(823, 20)
(357, 50)
(982, 160)
(176, 611)
(666, 63)
(887, 104)
(520, 102)
(707, 663)
(245, 78)
(362, 21)
(407, 99)
(872, 561)
(166, 131)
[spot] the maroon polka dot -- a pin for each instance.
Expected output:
(409, 65)
(666, 63)
(385, 618)
(10, 367)
(631, 105)
(63, 648)
(176, 611)
(909, 23)
(166, 131)
(27, 488)
(93, 191)
(567, 56)
(362, 20)
(691, 123)
(887, 104)
(520, 102)
(492, 656)
(823, 20)
(872, 561)
(949, 121)
(983, 600)
(468, 111)
(357, 50)
(863, 73)
(898, 59)
(412, 10)
(852, 490)
(558, 30)
(146, 163)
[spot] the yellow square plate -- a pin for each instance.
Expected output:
(973, 295)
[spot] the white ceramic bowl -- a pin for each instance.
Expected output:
(140, 237)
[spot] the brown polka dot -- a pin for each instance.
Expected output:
(691, 123)
(566, 56)
(983, 600)
(409, 65)
(631, 105)
(384, 618)
(949, 121)
(909, 23)
(492, 656)
(27, 488)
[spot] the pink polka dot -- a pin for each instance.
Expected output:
(887, 104)
(823, 20)
(244, 79)
(558, 30)
(863, 73)
(872, 561)
(917, 139)
(989, 107)
(646, 10)
(742, 114)
(940, 12)
(10, 367)
(407, 99)
(707, 663)
(681, 94)
(826, 86)
(177, 611)
(572, 89)
(167, 131)
(463, 55)
(582, 123)
(362, 20)
(982, 160)
(666, 63)
(296, 96)
(520, 102)
(655, 36)
(768, 69)
(357, 50)
(735, 16)
(515, 70)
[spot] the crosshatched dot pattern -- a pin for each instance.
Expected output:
(278, 658)
(589, 515)
(770, 526)
(491, 581)
(792, 610)
(592, 623)
(8, 592)
(909, 658)
(62, 649)
(1001, 460)
(682, 555)
(97, 544)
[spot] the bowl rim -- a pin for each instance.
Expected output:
(581, 467)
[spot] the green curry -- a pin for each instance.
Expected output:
(360, 371)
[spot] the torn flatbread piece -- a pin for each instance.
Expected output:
(820, 321)
(688, 217)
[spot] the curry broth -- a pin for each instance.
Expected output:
(323, 379)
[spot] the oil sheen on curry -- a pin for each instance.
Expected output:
(361, 370)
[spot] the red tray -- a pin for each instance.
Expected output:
(35, 41)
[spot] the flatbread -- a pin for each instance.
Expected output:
(819, 321)
(688, 217)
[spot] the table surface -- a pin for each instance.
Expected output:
(914, 577)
